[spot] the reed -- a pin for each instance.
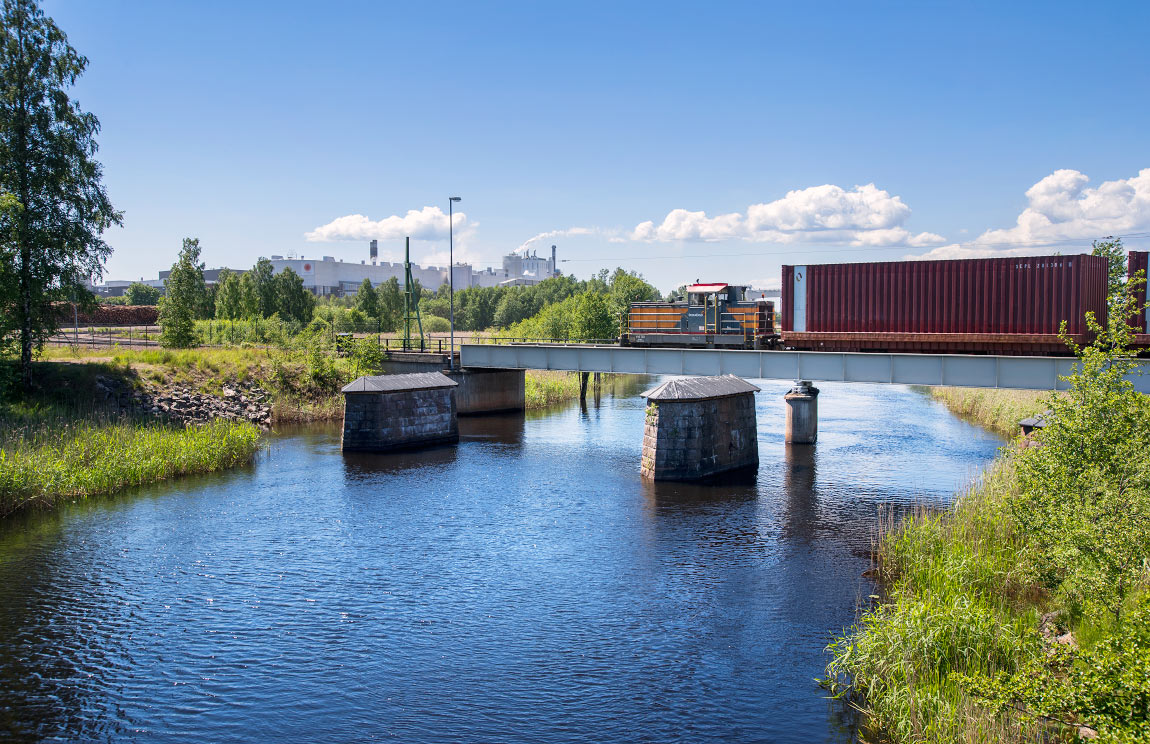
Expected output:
(49, 457)
(543, 389)
(993, 409)
(1053, 543)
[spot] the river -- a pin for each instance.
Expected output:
(524, 586)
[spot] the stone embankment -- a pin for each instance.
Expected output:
(240, 401)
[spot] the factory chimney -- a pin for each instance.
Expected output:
(373, 252)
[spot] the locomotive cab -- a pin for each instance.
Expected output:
(712, 315)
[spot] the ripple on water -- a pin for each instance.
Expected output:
(523, 586)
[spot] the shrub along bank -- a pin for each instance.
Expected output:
(1023, 613)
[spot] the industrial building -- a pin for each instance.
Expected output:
(329, 276)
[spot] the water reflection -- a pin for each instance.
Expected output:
(800, 470)
(361, 465)
(496, 428)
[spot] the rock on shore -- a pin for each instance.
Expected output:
(240, 401)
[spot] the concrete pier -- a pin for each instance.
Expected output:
(699, 426)
(488, 390)
(481, 390)
(802, 413)
(387, 412)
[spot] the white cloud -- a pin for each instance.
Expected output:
(429, 223)
(863, 216)
(1062, 211)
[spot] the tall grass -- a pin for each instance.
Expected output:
(61, 458)
(1053, 543)
(993, 409)
(957, 605)
(543, 389)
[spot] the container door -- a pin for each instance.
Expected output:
(799, 296)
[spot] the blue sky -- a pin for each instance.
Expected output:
(985, 129)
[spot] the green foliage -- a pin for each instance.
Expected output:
(54, 208)
(625, 288)
(1111, 249)
(141, 294)
(435, 306)
(65, 458)
(1084, 493)
(249, 297)
(229, 296)
(183, 297)
(515, 305)
(367, 357)
(352, 321)
(593, 318)
(542, 389)
(996, 409)
(1063, 529)
(292, 300)
(436, 324)
(367, 299)
(1105, 686)
(390, 304)
(262, 281)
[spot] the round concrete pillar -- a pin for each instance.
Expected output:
(802, 413)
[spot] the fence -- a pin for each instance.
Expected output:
(215, 334)
(107, 336)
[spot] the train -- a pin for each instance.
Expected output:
(1005, 306)
(712, 315)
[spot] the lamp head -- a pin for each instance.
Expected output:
(455, 199)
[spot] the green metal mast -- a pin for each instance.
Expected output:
(410, 302)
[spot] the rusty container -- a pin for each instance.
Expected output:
(993, 305)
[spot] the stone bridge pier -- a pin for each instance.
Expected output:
(699, 426)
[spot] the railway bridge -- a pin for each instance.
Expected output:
(700, 413)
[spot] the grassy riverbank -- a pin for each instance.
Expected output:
(1022, 614)
(993, 409)
(304, 384)
(68, 459)
(63, 441)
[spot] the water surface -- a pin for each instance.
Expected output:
(524, 586)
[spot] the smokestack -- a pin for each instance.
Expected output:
(373, 252)
(554, 266)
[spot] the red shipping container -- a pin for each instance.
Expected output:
(1138, 261)
(999, 305)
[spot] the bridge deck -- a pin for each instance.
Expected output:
(1017, 372)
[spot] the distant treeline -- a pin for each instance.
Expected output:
(560, 307)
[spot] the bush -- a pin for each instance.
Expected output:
(1059, 531)
(435, 324)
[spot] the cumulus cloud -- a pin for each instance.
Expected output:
(862, 216)
(429, 223)
(1062, 210)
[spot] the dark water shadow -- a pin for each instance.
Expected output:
(732, 486)
(494, 428)
(360, 465)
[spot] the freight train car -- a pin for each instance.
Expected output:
(1139, 261)
(984, 305)
(712, 316)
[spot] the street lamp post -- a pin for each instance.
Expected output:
(451, 274)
